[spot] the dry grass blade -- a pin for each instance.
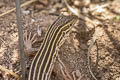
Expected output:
(75, 12)
(89, 49)
(72, 10)
(22, 5)
(10, 72)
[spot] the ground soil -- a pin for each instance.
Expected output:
(104, 55)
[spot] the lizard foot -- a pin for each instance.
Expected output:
(29, 40)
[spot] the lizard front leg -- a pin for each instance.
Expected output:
(76, 75)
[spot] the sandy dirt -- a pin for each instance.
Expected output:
(104, 55)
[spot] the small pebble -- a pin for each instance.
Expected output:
(26, 12)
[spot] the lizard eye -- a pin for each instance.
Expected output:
(70, 24)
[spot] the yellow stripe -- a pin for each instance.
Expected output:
(40, 49)
(64, 23)
(52, 49)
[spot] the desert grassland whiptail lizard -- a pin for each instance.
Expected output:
(43, 62)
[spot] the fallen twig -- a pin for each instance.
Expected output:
(22, 5)
(10, 72)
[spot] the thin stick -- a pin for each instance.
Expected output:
(21, 43)
(10, 72)
(24, 4)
